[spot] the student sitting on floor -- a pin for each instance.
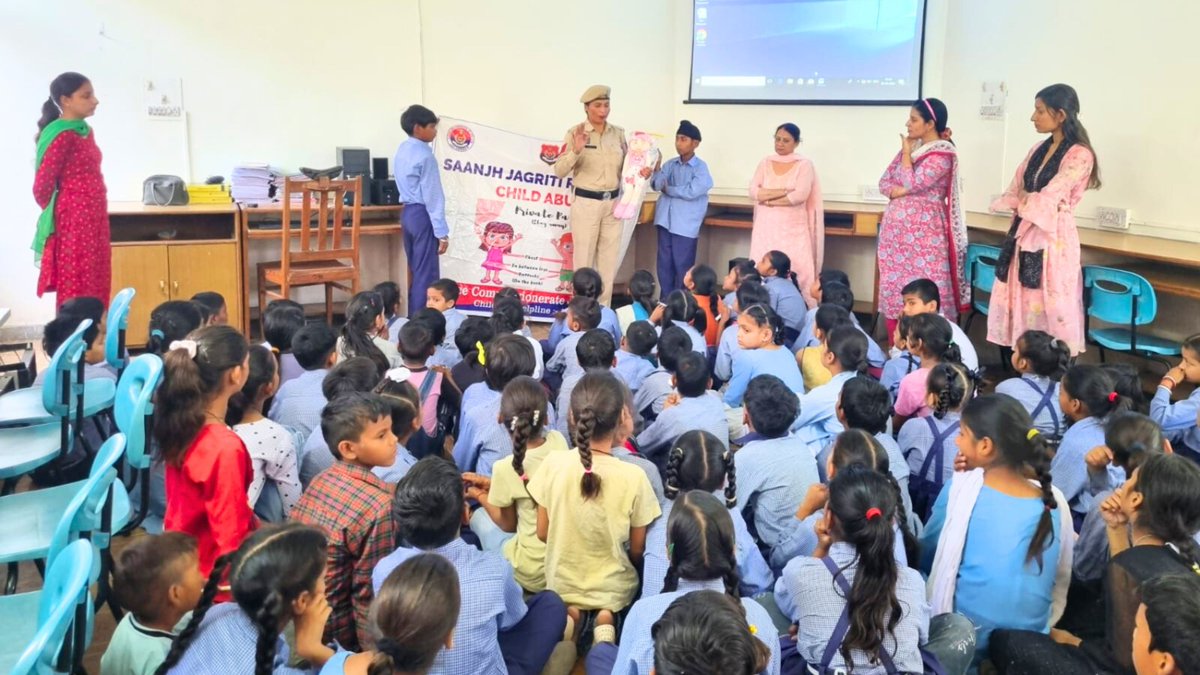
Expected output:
(1041, 360)
(1181, 420)
(693, 406)
(635, 357)
(280, 323)
(657, 386)
(298, 403)
(442, 295)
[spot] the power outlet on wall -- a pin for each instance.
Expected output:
(1112, 218)
(871, 193)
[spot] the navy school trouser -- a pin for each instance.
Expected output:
(421, 248)
(676, 255)
(527, 646)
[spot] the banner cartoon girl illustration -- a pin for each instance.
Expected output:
(565, 246)
(497, 238)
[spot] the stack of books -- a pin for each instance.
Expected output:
(209, 194)
(253, 183)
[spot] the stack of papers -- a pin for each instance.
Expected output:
(255, 183)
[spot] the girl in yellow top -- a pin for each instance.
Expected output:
(592, 505)
(523, 408)
(812, 368)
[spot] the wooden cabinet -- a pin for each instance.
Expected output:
(172, 253)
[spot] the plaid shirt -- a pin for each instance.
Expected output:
(354, 507)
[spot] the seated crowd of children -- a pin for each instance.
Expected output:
(728, 481)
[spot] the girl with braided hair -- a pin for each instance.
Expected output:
(701, 545)
(277, 576)
(592, 506)
(1014, 573)
(408, 635)
(1152, 521)
(505, 497)
(698, 460)
(929, 443)
(706, 633)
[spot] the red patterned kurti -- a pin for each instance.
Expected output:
(78, 256)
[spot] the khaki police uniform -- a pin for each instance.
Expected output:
(596, 176)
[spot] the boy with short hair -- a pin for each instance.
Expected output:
(353, 506)
(298, 403)
(774, 471)
(593, 350)
(423, 219)
(280, 322)
(921, 296)
(497, 631)
(650, 398)
(834, 292)
(635, 357)
(694, 406)
(354, 374)
(158, 581)
(683, 183)
(583, 314)
(442, 295)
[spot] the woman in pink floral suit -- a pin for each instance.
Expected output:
(1039, 282)
(923, 233)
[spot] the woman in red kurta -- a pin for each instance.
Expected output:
(72, 241)
(208, 468)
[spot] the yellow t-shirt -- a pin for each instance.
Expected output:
(814, 371)
(586, 561)
(525, 551)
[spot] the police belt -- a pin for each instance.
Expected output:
(593, 194)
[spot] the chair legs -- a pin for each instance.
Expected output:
(10, 583)
(104, 591)
(328, 304)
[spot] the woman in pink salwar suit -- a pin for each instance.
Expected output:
(788, 213)
(1039, 281)
(923, 233)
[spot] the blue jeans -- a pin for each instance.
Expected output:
(527, 646)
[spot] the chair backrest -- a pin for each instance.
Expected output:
(324, 242)
(1118, 296)
(62, 384)
(118, 323)
(134, 403)
(67, 581)
(85, 511)
(981, 266)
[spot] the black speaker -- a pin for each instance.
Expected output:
(379, 168)
(354, 162)
(384, 192)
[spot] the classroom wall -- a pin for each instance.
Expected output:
(288, 82)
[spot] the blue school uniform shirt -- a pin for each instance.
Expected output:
(817, 421)
(564, 400)
(608, 321)
(648, 400)
(808, 595)
(492, 602)
(447, 353)
(916, 441)
(683, 195)
(1049, 420)
(1069, 470)
(747, 363)
(705, 412)
(731, 304)
(996, 587)
(399, 468)
(418, 182)
(773, 475)
(727, 346)
(1178, 420)
(647, 467)
(227, 642)
(753, 573)
(394, 325)
(896, 368)
(632, 368)
(787, 301)
(565, 360)
(876, 357)
(299, 402)
(801, 540)
(698, 342)
(635, 654)
(897, 466)
(315, 457)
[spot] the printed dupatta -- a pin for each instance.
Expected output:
(956, 222)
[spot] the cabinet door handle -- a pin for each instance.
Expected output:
(175, 286)
(162, 286)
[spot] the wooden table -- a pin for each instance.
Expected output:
(1169, 279)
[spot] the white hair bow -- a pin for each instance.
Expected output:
(189, 345)
(398, 374)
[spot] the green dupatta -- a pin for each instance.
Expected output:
(45, 222)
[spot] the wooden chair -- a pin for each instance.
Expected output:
(322, 259)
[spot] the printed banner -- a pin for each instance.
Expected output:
(507, 213)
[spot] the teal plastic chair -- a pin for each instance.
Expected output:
(118, 325)
(41, 646)
(29, 521)
(38, 405)
(981, 274)
(134, 410)
(1127, 300)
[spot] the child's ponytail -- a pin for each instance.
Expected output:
(597, 403)
(361, 313)
(194, 369)
(1096, 389)
(951, 384)
(1047, 355)
(408, 637)
(523, 411)
(936, 336)
(681, 305)
(849, 346)
(1170, 509)
(701, 543)
(857, 447)
(704, 282)
(642, 289)
(783, 266)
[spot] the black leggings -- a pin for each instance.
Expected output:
(1024, 652)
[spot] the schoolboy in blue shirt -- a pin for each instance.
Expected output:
(658, 385)
(442, 295)
(695, 407)
(498, 632)
(586, 283)
(838, 294)
(299, 401)
(683, 184)
(583, 314)
(594, 350)
(634, 358)
(423, 219)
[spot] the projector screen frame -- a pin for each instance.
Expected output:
(822, 102)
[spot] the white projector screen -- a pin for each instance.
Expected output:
(857, 52)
